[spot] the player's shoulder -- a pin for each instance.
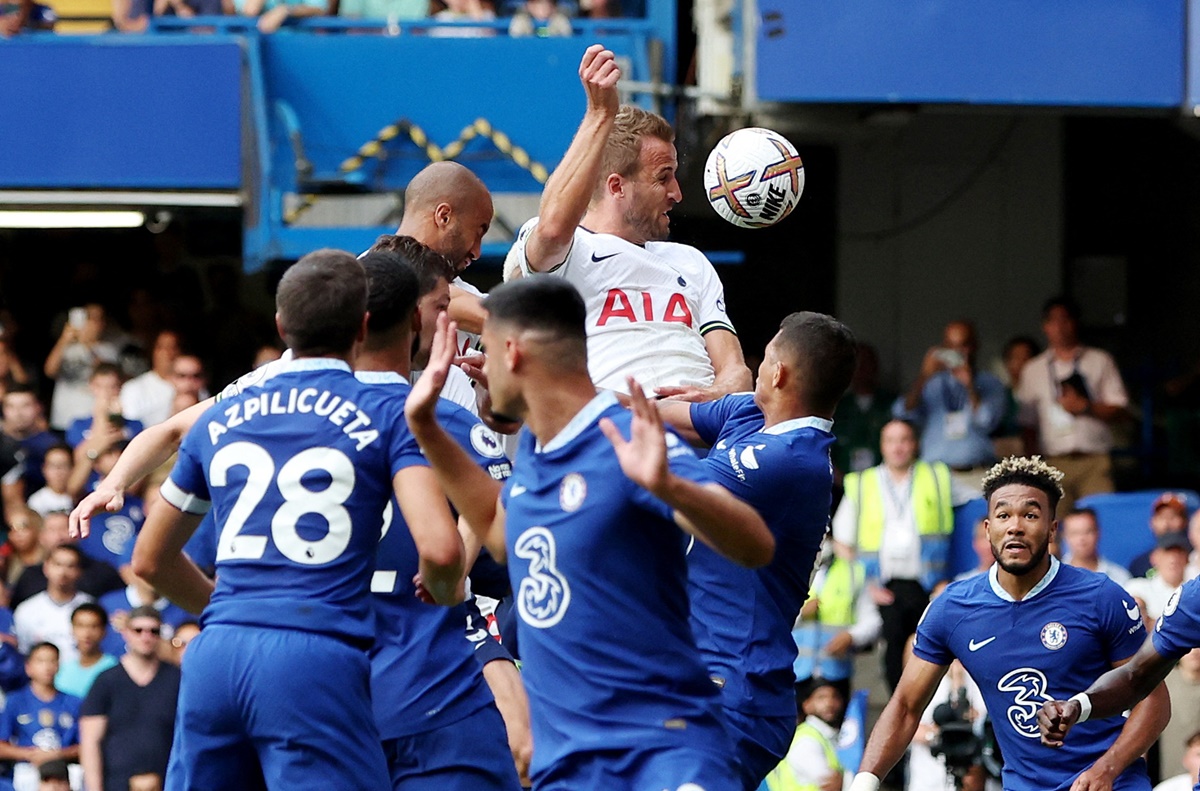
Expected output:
(1086, 583)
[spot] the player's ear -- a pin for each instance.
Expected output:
(615, 185)
(780, 376)
(442, 214)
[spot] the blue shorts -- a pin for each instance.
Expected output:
(463, 756)
(759, 744)
(664, 769)
(295, 703)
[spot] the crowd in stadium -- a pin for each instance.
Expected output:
(91, 643)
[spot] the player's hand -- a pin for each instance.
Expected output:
(472, 366)
(1055, 719)
(105, 498)
(690, 394)
(1095, 778)
(643, 457)
(599, 73)
(422, 400)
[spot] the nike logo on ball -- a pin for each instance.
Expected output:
(599, 258)
(974, 646)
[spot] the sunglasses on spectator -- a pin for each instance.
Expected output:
(154, 630)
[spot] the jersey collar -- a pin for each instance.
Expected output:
(794, 424)
(314, 364)
(380, 377)
(1041, 586)
(584, 418)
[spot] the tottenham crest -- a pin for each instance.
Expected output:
(1054, 635)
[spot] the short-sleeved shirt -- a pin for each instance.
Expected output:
(1039, 391)
(743, 617)
(952, 430)
(75, 679)
(648, 308)
(1177, 630)
(1067, 632)
(29, 721)
(141, 721)
(298, 471)
(599, 580)
(423, 674)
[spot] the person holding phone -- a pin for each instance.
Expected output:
(79, 348)
(955, 406)
(1069, 397)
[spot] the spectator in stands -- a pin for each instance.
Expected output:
(897, 518)
(56, 472)
(1080, 530)
(465, 11)
(957, 406)
(133, 16)
(12, 487)
(1169, 514)
(272, 14)
(838, 619)
(21, 15)
(107, 415)
(24, 422)
(54, 776)
(812, 760)
(12, 370)
(147, 398)
(1190, 763)
(1183, 684)
(39, 723)
(89, 626)
(191, 385)
(983, 551)
(46, 616)
(139, 593)
(97, 577)
(861, 416)
(1169, 560)
(127, 720)
(392, 10)
(599, 9)
(1017, 352)
(22, 549)
(1069, 394)
(71, 362)
(540, 18)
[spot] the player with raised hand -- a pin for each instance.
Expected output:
(1029, 630)
(298, 472)
(590, 546)
(771, 449)
(655, 309)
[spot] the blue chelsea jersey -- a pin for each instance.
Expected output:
(298, 473)
(423, 673)
(1178, 628)
(743, 618)
(1066, 633)
(599, 581)
(29, 721)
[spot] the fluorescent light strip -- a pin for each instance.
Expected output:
(71, 219)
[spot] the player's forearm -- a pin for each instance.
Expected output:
(569, 191)
(504, 680)
(732, 378)
(678, 415)
(444, 577)
(472, 490)
(466, 310)
(720, 520)
(1122, 687)
(174, 576)
(1141, 730)
(890, 738)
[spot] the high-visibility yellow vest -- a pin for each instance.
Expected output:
(838, 594)
(932, 510)
(782, 778)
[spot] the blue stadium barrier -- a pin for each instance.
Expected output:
(1125, 520)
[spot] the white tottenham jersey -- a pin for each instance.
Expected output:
(648, 308)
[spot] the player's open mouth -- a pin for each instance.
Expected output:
(1015, 547)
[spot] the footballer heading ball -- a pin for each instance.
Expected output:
(754, 177)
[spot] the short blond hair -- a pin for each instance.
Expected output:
(623, 150)
(1027, 470)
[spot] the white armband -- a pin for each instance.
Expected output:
(1085, 706)
(865, 781)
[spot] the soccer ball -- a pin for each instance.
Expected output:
(754, 177)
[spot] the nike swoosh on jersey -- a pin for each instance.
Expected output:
(517, 490)
(974, 646)
(1134, 613)
(599, 258)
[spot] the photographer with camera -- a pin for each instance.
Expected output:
(948, 747)
(1069, 395)
(956, 406)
